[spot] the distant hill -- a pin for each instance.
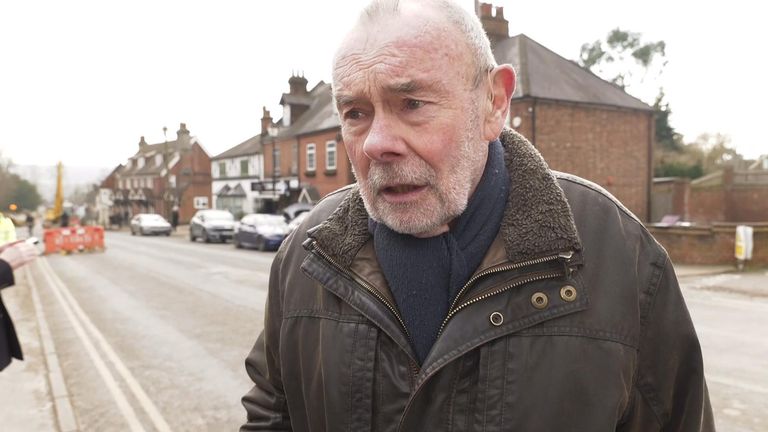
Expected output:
(44, 177)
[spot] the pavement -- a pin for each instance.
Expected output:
(26, 383)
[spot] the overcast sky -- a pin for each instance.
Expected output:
(81, 81)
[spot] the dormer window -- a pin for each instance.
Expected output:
(141, 163)
(158, 160)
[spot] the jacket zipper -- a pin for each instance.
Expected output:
(565, 256)
(368, 287)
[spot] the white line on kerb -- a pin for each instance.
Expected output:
(146, 403)
(65, 414)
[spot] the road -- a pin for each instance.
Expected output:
(151, 335)
(730, 313)
(177, 320)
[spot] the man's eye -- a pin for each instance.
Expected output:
(413, 104)
(353, 115)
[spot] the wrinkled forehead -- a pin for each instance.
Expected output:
(404, 44)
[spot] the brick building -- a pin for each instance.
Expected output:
(161, 175)
(580, 123)
(305, 151)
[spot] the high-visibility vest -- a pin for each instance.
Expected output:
(7, 230)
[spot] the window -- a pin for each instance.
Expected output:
(200, 202)
(330, 155)
(141, 162)
(244, 167)
(158, 160)
(222, 169)
(276, 160)
(172, 181)
(311, 163)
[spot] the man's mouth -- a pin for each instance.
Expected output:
(402, 193)
(401, 189)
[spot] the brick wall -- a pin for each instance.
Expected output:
(710, 245)
(326, 181)
(670, 197)
(193, 173)
(740, 196)
(285, 147)
(607, 146)
(749, 204)
(708, 205)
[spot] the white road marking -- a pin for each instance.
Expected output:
(141, 396)
(118, 395)
(755, 388)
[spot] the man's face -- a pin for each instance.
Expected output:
(411, 123)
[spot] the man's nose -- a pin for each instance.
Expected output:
(384, 142)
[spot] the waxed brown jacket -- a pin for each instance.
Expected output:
(574, 321)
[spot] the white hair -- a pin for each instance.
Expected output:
(467, 24)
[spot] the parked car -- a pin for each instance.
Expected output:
(293, 224)
(150, 223)
(262, 231)
(210, 225)
(296, 209)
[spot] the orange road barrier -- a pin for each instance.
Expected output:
(73, 239)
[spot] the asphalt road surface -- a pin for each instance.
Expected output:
(151, 335)
(730, 312)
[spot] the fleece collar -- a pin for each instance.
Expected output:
(537, 220)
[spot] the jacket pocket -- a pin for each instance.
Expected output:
(478, 393)
(332, 359)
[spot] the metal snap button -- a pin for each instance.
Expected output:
(497, 318)
(568, 293)
(539, 300)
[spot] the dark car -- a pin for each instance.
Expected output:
(212, 225)
(262, 231)
(150, 223)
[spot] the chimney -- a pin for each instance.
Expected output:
(142, 144)
(297, 101)
(298, 85)
(266, 121)
(494, 24)
(486, 10)
(182, 136)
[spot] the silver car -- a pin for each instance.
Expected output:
(212, 225)
(150, 224)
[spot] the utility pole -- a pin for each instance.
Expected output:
(166, 185)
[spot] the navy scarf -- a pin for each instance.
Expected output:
(426, 274)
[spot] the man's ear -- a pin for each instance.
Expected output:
(501, 86)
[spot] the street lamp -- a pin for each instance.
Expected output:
(166, 186)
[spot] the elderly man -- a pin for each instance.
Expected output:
(461, 285)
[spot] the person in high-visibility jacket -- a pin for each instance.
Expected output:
(7, 229)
